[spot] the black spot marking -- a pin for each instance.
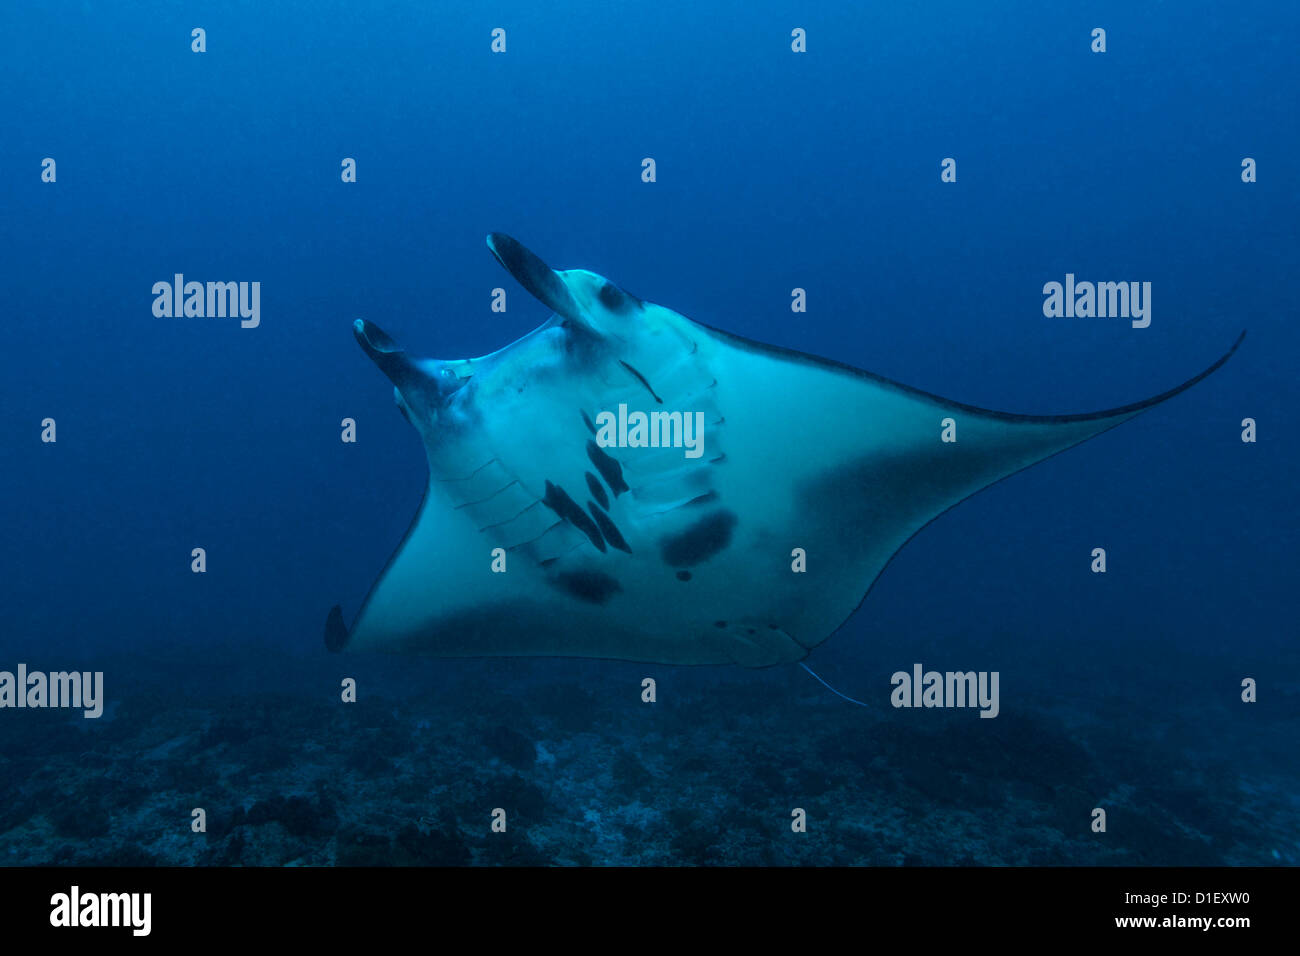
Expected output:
(700, 541)
(609, 469)
(641, 378)
(597, 490)
(683, 575)
(590, 426)
(558, 500)
(611, 296)
(608, 528)
(616, 299)
(594, 587)
(719, 623)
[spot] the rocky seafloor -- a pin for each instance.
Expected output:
(587, 773)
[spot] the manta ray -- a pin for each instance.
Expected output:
(545, 529)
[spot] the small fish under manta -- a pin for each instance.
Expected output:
(643, 553)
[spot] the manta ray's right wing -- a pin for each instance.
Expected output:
(866, 464)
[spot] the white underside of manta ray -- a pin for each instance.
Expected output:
(643, 553)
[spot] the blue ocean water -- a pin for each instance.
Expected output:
(774, 170)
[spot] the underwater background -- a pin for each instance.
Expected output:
(774, 170)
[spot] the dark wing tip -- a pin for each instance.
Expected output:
(804, 358)
(336, 632)
(1133, 407)
(1163, 396)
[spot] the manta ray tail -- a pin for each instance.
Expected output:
(851, 700)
